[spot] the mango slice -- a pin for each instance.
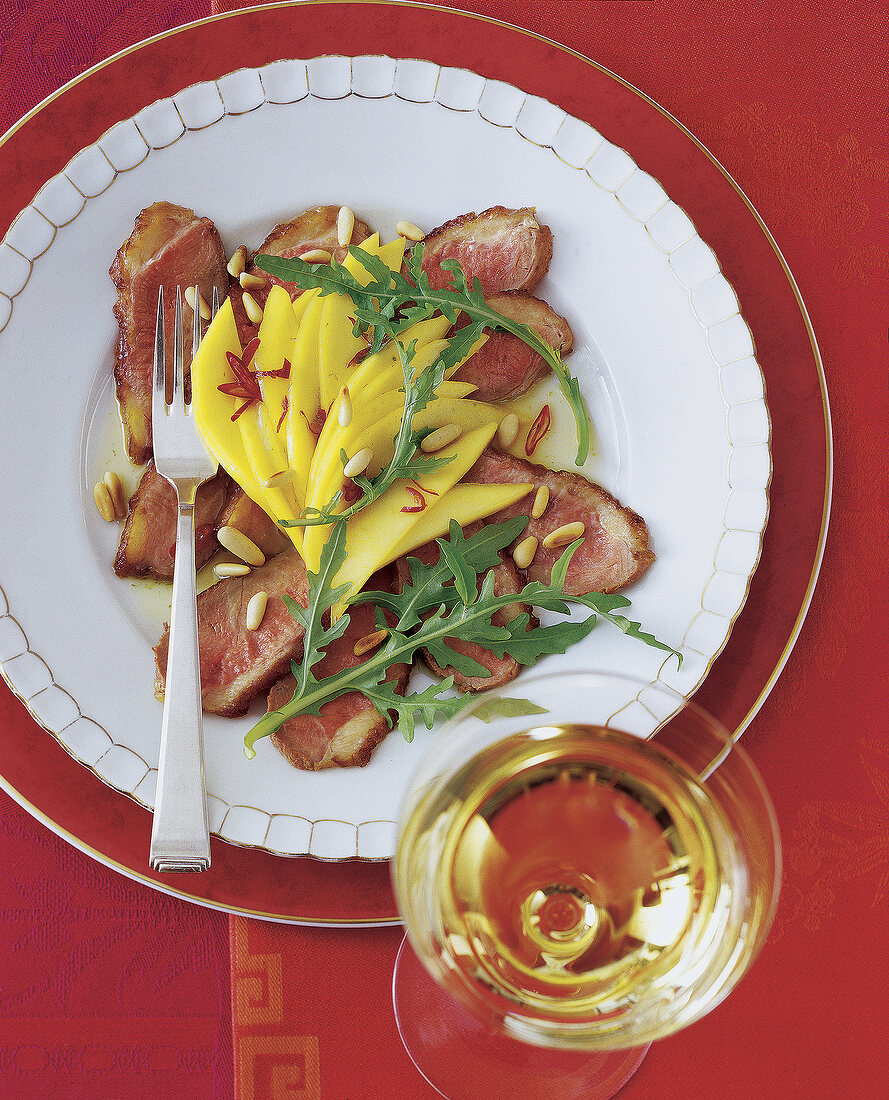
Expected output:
(466, 503)
(374, 530)
(224, 437)
(304, 398)
(382, 370)
(337, 346)
(327, 464)
(213, 410)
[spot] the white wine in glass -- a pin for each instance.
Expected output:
(590, 877)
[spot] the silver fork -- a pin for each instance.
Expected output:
(180, 837)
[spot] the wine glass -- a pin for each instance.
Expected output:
(585, 863)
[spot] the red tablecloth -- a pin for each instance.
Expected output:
(110, 989)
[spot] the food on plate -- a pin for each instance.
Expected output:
(503, 249)
(347, 729)
(613, 551)
(374, 488)
(315, 232)
(244, 515)
(148, 540)
(494, 671)
(237, 663)
(110, 496)
(506, 367)
(169, 246)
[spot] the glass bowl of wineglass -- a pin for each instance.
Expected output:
(585, 863)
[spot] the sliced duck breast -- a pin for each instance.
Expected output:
(615, 549)
(238, 663)
(170, 246)
(504, 249)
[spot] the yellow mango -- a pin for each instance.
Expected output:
(387, 372)
(213, 412)
(327, 465)
(374, 530)
(382, 370)
(304, 398)
(337, 346)
(384, 416)
(277, 331)
(466, 503)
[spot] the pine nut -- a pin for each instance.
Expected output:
(369, 642)
(441, 437)
(281, 477)
(316, 256)
(238, 261)
(358, 463)
(344, 414)
(118, 496)
(249, 281)
(251, 307)
(345, 224)
(541, 502)
(102, 497)
(237, 543)
(231, 569)
(508, 430)
(255, 612)
(568, 532)
(524, 553)
(190, 299)
(409, 231)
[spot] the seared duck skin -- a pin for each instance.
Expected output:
(148, 540)
(238, 663)
(506, 366)
(349, 728)
(504, 249)
(169, 246)
(614, 551)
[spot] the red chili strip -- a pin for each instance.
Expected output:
(246, 385)
(285, 406)
(281, 372)
(420, 489)
(538, 430)
(420, 500)
(358, 357)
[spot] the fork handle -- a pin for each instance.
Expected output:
(180, 838)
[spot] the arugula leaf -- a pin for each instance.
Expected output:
(430, 586)
(465, 576)
(426, 705)
(452, 618)
(393, 302)
(505, 706)
(322, 597)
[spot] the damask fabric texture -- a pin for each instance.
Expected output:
(106, 988)
(45, 44)
(287, 1042)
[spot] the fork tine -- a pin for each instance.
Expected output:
(196, 323)
(158, 393)
(178, 352)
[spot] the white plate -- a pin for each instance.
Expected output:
(665, 360)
